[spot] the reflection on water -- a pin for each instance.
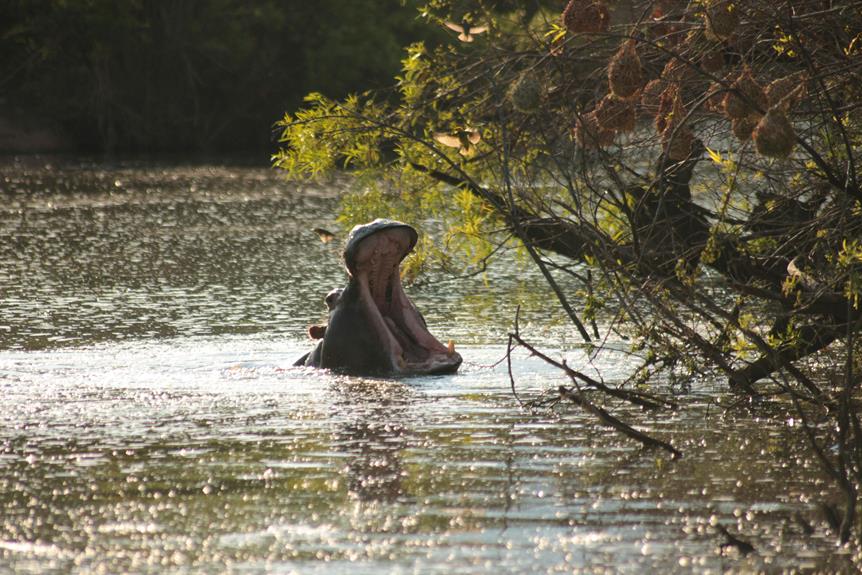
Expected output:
(127, 253)
(152, 422)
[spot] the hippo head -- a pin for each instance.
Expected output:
(373, 326)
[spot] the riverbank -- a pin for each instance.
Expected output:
(23, 133)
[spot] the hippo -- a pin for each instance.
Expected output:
(374, 328)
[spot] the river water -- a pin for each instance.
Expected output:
(152, 422)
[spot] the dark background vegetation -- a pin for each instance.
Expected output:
(212, 76)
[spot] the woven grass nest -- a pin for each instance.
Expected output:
(586, 17)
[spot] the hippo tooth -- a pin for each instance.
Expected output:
(451, 349)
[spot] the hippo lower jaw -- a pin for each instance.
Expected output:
(405, 340)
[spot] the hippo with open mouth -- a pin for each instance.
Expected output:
(374, 328)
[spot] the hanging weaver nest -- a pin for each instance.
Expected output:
(586, 16)
(677, 143)
(662, 25)
(715, 98)
(669, 103)
(651, 95)
(712, 61)
(670, 34)
(751, 101)
(526, 93)
(791, 89)
(625, 74)
(722, 19)
(774, 136)
(676, 138)
(675, 71)
(613, 113)
(666, 6)
(589, 134)
(716, 93)
(742, 127)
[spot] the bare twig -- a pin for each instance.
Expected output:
(611, 421)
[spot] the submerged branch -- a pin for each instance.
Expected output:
(643, 400)
(577, 396)
(611, 421)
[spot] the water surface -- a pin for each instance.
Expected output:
(152, 421)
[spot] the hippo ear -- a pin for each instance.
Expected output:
(414, 237)
(316, 331)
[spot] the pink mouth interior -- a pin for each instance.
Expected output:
(406, 340)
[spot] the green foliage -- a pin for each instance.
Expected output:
(849, 261)
(328, 134)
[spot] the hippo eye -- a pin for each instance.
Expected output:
(332, 298)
